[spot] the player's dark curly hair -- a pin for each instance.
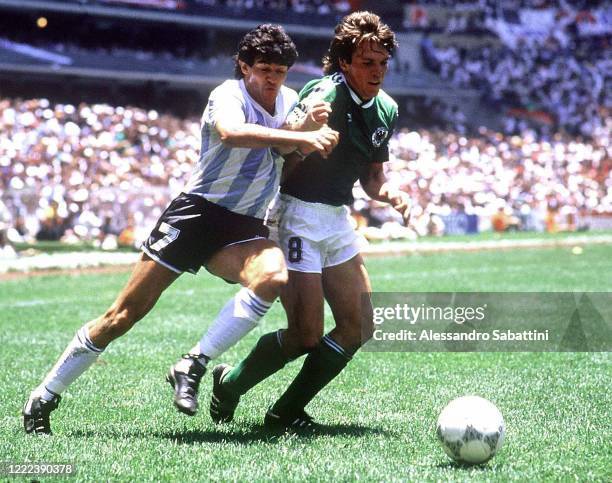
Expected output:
(350, 32)
(268, 43)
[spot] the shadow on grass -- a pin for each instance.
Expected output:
(256, 433)
(455, 465)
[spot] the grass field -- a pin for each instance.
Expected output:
(117, 422)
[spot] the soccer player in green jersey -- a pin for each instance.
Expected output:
(321, 247)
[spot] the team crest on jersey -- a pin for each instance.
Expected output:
(379, 136)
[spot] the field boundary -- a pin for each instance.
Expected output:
(407, 248)
(71, 262)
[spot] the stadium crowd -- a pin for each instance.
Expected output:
(103, 173)
(575, 91)
(559, 71)
(524, 182)
(512, 4)
(322, 7)
(87, 171)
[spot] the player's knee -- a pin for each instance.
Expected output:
(299, 342)
(355, 333)
(272, 280)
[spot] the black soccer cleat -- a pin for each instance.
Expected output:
(222, 404)
(297, 423)
(36, 415)
(186, 384)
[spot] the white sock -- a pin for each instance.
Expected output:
(76, 359)
(239, 316)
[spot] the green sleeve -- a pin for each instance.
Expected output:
(316, 90)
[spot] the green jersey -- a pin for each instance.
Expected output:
(365, 129)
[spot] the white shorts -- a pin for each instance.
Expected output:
(313, 236)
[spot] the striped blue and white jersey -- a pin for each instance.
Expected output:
(242, 180)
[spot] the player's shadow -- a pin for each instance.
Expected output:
(252, 434)
(257, 433)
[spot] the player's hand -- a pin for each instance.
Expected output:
(317, 115)
(401, 203)
(323, 141)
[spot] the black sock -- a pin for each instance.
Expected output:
(321, 366)
(266, 358)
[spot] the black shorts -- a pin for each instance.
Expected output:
(192, 230)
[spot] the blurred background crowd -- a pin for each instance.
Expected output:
(504, 111)
(89, 171)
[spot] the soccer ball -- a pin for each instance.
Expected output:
(471, 429)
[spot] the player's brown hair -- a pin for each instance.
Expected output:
(268, 43)
(350, 32)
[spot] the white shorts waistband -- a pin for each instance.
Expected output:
(319, 207)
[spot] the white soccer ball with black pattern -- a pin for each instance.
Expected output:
(471, 429)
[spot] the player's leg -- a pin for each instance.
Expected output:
(147, 282)
(343, 286)
(171, 248)
(259, 266)
(303, 303)
(351, 306)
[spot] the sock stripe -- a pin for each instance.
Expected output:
(257, 310)
(256, 301)
(278, 338)
(259, 305)
(86, 341)
(238, 317)
(332, 344)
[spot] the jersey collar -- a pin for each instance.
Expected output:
(355, 97)
(259, 107)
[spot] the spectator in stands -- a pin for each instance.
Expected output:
(563, 73)
(98, 160)
(6, 247)
(501, 221)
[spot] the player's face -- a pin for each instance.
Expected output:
(263, 82)
(367, 69)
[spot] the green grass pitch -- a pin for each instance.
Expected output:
(117, 421)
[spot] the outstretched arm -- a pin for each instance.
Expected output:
(376, 186)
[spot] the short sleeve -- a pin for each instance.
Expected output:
(317, 90)
(227, 103)
(381, 155)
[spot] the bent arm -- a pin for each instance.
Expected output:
(376, 186)
(247, 135)
(310, 118)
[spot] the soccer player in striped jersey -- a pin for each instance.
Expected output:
(321, 248)
(217, 222)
